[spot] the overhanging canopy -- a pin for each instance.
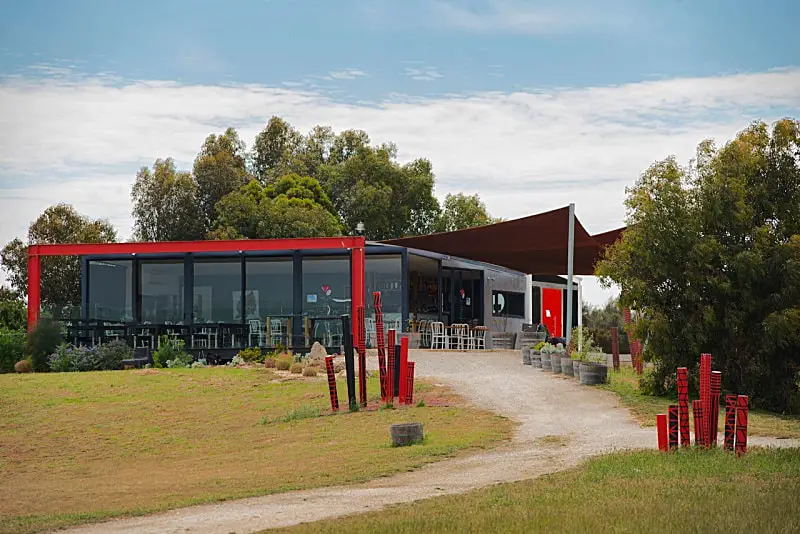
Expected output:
(535, 245)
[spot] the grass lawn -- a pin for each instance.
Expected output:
(78, 447)
(688, 491)
(644, 408)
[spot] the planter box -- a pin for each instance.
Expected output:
(546, 362)
(526, 356)
(566, 366)
(556, 364)
(593, 374)
(576, 369)
(536, 359)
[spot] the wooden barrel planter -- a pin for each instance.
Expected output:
(593, 374)
(555, 362)
(546, 362)
(404, 434)
(566, 365)
(576, 369)
(536, 359)
(526, 356)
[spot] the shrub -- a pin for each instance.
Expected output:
(283, 363)
(42, 342)
(23, 366)
(269, 363)
(199, 363)
(182, 359)
(113, 354)
(236, 361)
(12, 349)
(170, 349)
(296, 368)
(252, 354)
(61, 361)
(539, 345)
(310, 371)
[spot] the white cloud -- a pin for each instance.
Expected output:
(526, 17)
(347, 74)
(423, 74)
(81, 140)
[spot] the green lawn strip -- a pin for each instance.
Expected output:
(81, 447)
(644, 408)
(686, 491)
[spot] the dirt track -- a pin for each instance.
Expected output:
(591, 420)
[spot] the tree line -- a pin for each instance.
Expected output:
(287, 184)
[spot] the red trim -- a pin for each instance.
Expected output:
(355, 244)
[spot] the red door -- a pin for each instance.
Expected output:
(551, 311)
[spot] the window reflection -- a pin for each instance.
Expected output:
(269, 287)
(110, 290)
(217, 290)
(326, 286)
(161, 291)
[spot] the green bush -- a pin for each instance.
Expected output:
(170, 350)
(12, 349)
(113, 354)
(310, 371)
(42, 342)
(251, 355)
(13, 314)
(283, 363)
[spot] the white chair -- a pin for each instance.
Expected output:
(276, 331)
(423, 333)
(438, 336)
(459, 334)
(477, 338)
(257, 331)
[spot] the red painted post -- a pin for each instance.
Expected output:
(661, 425)
(673, 426)
(380, 335)
(403, 368)
(716, 386)
(390, 367)
(332, 383)
(705, 395)
(741, 424)
(410, 383)
(697, 412)
(362, 357)
(730, 422)
(683, 405)
(34, 286)
(615, 347)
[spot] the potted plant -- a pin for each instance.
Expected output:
(556, 358)
(566, 362)
(547, 351)
(594, 368)
(526, 355)
(536, 355)
(582, 345)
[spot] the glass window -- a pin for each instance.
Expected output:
(508, 304)
(217, 290)
(385, 274)
(110, 290)
(161, 291)
(326, 286)
(270, 283)
(423, 288)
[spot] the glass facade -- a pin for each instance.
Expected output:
(110, 290)
(384, 273)
(270, 283)
(326, 286)
(160, 295)
(218, 291)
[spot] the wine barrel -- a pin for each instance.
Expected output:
(566, 366)
(593, 374)
(406, 434)
(556, 364)
(547, 362)
(526, 356)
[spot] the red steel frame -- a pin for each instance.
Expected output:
(356, 246)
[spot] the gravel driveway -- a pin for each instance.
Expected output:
(590, 420)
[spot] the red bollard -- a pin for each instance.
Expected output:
(390, 367)
(697, 412)
(379, 334)
(410, 383)
(362, 357)
(705, 396)
(332, 383)
(673, 426)
(661, 426)
(730, 422)
(403, 368)
(741, 424)
(615, 347)
(716, 386)
(683, 405)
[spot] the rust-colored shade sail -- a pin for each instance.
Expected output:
(535, 245)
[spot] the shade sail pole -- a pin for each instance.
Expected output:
(570, 269)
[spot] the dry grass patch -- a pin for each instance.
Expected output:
(83, 446)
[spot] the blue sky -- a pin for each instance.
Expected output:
(530, 104)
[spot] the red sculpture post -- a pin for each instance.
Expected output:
(741, 424)
(716, 386)
(705, 396)
(403, 368)
(332, 383)
(672, 423)
(390, 367)
(661, 426)
(730, 422)
(410, 383)
(380, 335)
(683, 405)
